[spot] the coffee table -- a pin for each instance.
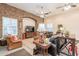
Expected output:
(3, 42)
(44, 47)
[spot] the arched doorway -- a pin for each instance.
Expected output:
(29, 27)
(28, 23)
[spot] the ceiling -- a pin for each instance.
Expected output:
(35, 8)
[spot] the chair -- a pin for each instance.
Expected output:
(13, 42)
(37, 48)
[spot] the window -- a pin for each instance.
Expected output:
(49, 27)
(9, 26)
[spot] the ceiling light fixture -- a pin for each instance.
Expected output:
(67, 7)
(44, 12)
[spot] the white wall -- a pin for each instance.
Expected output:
(28, 22)
(70, 21)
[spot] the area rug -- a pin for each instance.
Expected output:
(21, 52)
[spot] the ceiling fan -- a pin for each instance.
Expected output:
(67, 5)
(44, 13)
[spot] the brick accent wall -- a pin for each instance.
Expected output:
(12, 12)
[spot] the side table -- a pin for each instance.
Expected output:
(3, 42)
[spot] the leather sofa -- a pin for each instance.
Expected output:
(53, 48)
(56, 45)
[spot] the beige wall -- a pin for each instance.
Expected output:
(12, 12)
(69, 19)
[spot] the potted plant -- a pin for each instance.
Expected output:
(67, 33)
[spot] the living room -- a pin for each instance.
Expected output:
(26, 23)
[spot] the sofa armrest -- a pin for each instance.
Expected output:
(16, 41)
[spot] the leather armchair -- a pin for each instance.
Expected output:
(12, 43)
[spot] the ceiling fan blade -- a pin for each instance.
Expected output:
(73, 5)
(47, 13)
(59, 7)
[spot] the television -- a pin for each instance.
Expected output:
(29, 29)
